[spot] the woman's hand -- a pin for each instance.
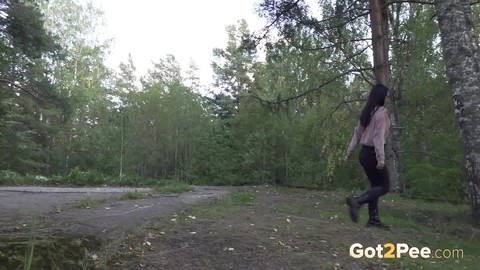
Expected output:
(347, 157)
(380, 165)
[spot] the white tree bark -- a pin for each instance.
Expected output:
(462, 59)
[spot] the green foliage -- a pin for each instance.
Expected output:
(24, 27)
(7, 177)
(428, 181)
(88, 178)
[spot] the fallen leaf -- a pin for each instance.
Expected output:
(288, 220)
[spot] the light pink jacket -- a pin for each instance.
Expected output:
(375, 134)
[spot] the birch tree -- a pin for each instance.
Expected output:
(462, 60)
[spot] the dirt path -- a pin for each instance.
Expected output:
(58, 208)
(253, 228)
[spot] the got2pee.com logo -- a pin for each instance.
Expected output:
(399, 250)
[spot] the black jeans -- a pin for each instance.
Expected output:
(379, 179)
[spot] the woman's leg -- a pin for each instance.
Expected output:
(382, 181)
(379, 183)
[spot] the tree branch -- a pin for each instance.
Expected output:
(20, 87)
(344, 102)
(312, 23)
(318, 29)
(300, 47)
(426, 2)
(353, 60)
(278, 16)
(311, 90)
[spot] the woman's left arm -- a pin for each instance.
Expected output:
(357, 135)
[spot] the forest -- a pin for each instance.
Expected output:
(282, 109)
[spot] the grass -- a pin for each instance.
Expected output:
(240, 199)
(172, 186)
(30, 247)
(133, 195)
(44, 250)
(233, 202)
(88, 203)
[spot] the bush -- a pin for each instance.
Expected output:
(9, 177)
(78, 177)
(172, 186)
(427, 181)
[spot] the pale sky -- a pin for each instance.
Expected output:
(188, 29)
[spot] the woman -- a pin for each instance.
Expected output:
(371, 132)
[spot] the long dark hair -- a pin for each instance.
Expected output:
(376, 98)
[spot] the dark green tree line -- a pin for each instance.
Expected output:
(281, 109)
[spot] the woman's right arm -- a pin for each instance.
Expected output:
(379, 136)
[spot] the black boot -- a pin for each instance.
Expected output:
(374, 220)
(354, 203)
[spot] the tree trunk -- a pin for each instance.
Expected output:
(379, 21)
(395, 157)
(462, 61)
(395, 148)
(121, 147)
(381, 70)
